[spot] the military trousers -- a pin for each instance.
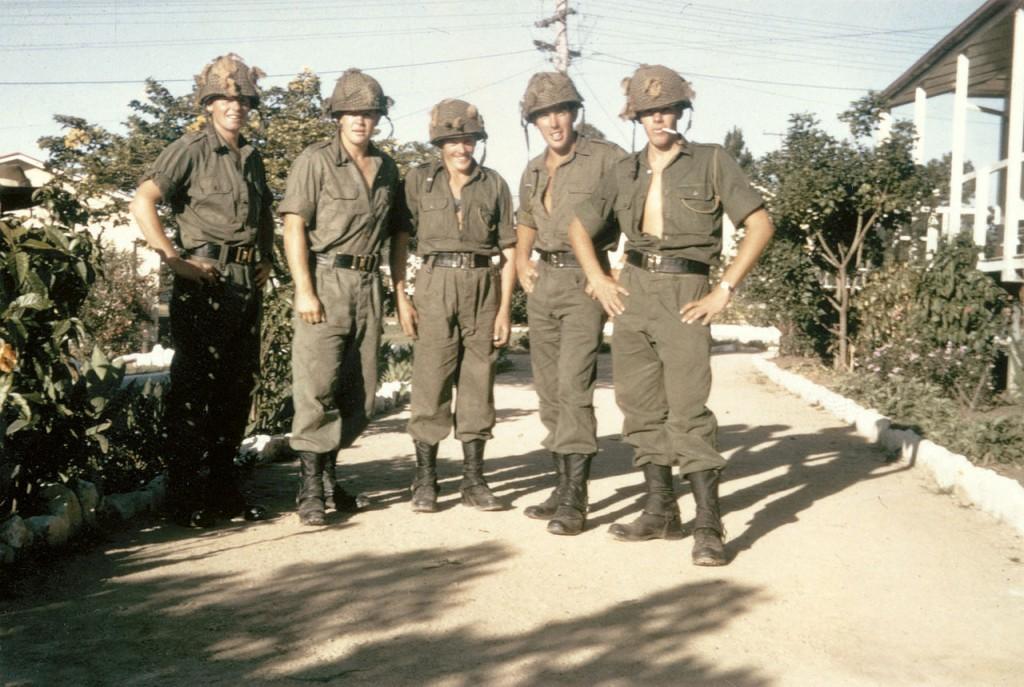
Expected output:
(454, 349)
(215, 331)
(662, 372)
(334, 363)
(565, 336)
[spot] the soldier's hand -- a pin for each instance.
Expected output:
(526, 270)
(705, 309)
(262, 272)
(606, 291)
(194, 270)
(408, 318)
(309, 308)
(502, 329)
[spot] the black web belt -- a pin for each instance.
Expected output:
(343, 261)
(243, 255)
(652, 262)
(463, 261)
(559, 258)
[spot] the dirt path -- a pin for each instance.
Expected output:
(847, 571)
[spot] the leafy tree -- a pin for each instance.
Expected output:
(736, 146)
(838, 195)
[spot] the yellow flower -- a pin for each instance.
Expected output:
(8, 357)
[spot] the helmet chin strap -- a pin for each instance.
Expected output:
(483, 155)
(391, 125)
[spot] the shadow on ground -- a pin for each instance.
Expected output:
(177, 629)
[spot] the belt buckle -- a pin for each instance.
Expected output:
(244, 254)
(360, 263)
(557, 260)
(653, 261)
(465, 260)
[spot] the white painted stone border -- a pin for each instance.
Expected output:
(1000, 497)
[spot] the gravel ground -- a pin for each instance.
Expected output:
(846, 570)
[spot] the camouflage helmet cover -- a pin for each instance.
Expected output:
(228, 76)
(452, 118)
(547, 89)
(355, 91)
(652, 87)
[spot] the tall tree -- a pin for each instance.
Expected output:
(837, 195)
(736, 146)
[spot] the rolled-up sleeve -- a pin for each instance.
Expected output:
(738, 197)
(172, 169)
(524, 215)
(506, 223)
(302, 190)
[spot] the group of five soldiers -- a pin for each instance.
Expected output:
(345, 203)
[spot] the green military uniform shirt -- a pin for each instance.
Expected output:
(486, 212)
(574, 182)
(326, 189)
(219, 195)
(701, 182)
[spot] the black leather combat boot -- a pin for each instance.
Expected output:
(571, 516)
(474, 489)
(547, 508)
(310, 500)
(424, 487)
(335, 497)
(708, 532)
(660, 519)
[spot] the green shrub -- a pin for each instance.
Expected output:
(940, 325)
(53, 407)
(117, 314)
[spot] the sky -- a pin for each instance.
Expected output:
(752, 63)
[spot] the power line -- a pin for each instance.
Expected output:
(269, 76)
(247, 39)
(632, 63)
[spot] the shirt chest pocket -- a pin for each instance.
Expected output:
(576, 194)
(341, 204)
(214, 200)
(625, 214)
(436, 216)
(698, 198)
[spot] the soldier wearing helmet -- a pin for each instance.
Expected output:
(668, 200)
(565, 323)
(461, 214)
(215, 183)
(339, 209)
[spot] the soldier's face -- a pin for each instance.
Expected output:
(357, 127)
(229, 114)
(660, 125)
(556, 126)
(457, 153)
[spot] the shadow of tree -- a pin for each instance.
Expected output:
(378, 619)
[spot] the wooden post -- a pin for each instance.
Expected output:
(1015, 154)
(956, 174)
(920, 114)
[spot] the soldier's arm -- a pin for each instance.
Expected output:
(503, 322)
(759, 231)
(526, 269)
(296, 250)
(408, 318)
(144, 209)
(602, 287)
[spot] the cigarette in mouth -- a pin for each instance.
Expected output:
(670, 131)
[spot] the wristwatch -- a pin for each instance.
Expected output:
(727, 287)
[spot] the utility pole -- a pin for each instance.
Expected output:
(560, 48)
